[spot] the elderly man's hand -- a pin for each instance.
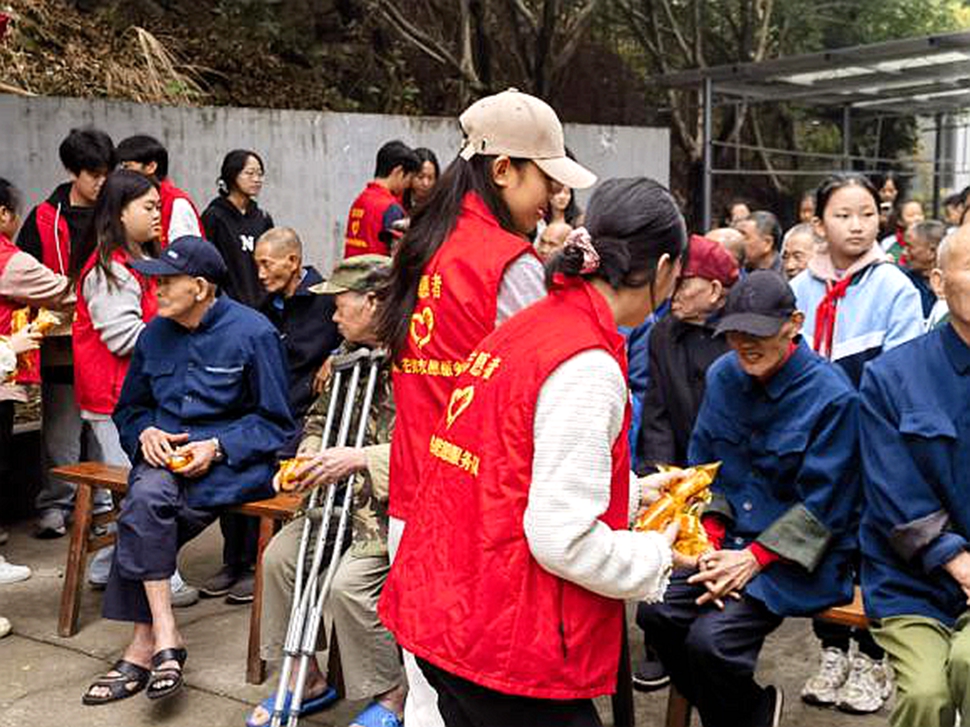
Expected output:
(331, 465)
(203, 454)
(959, 569)
(157, 446)
(724, 573)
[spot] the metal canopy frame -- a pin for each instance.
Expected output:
(926, 76)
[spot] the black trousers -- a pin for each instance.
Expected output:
(711, 654)
(462, 703)
(240, 536)
(6, 442)
(153, 525)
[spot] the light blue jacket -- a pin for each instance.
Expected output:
(880, 310)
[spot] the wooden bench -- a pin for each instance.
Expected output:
(851, 614)
(90, 475)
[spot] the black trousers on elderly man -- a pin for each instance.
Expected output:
(711, 654)
(154, 523)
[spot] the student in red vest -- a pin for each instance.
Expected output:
(114, 302)
(147, 155)
(23, 282)
(370, 224)
(49, 234)
(465, 266)
(509, 584)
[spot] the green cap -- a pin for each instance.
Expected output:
(361, 273)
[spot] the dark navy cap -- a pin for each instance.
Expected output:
(758, 305)
(187, 255)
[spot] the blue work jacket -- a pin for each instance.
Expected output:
(915, 423)
(225, 379)
(789, 475)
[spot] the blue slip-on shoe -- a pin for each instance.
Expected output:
(377, 715)
(311, 706)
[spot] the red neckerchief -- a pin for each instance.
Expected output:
(825, 315)
(901, 241)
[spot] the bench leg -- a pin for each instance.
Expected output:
(678, 709)
(255, 666)
(623, 711)
(77, 560)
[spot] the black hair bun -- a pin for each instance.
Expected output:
(573, 260)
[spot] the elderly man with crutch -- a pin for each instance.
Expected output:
(298, 585)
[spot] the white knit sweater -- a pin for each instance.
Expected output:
(579, 415)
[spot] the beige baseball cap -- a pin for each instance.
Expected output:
(518, 125)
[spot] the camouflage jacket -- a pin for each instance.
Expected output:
(370, 485)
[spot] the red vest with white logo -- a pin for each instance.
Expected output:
(456, 308)
(98, 373)
(465, 592)
(7, 306)
(55, 238)
(168, 193)
(366, 221)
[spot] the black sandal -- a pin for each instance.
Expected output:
(129, 680)
(167, 681)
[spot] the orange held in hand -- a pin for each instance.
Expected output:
(179, 461)
(28, 364)
(287, 476)
(682, 499)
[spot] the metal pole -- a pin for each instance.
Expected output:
(846, 138)
(937, 163)
(708, 159)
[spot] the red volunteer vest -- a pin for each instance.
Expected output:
(7, 306)
(456, 309)
(169, 193)
(98, 373)
(29, 367)
(55, 238)
(366, 221)
(465, 592)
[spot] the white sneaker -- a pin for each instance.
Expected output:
(10, 573)
(823, 688)
(5, 627)
(868, 686)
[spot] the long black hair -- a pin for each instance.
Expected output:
(424, 155)
(571, 213)
(107, 233)
(633, 223)
(834, 183)
(430, 225)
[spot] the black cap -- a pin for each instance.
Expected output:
(758, 305)
(187, 255)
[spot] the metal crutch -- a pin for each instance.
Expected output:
(303, 593)
(313, 625)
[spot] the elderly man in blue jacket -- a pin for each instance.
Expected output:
(915, 537)
(783, 423)
(207, 382)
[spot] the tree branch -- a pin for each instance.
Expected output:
(574, 34)
(431, 47)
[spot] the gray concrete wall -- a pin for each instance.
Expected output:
(316, 162)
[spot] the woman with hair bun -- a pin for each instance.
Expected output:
(510, 579)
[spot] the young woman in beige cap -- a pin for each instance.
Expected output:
(464, 267)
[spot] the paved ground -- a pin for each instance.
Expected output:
(42, 676)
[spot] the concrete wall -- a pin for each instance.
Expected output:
(316, 162)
